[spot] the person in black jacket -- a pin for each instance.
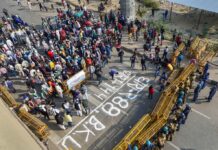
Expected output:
(60, 121)
(143, 63)
(120, 54)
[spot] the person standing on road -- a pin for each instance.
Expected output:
(181, 120)
(98, 73)
(40, 6)
(143, 63)
(196, 92)
(84, 99)
(133, 61)
(77, 106)
(212, 93)
(165, 53)
(187, 110)
(19, 3)
(157, 72)
(179, 59)
(121, 54)
(150, 92)
(5, 11)
(29, 4)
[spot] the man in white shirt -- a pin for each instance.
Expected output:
(165, 52)
(9, 44)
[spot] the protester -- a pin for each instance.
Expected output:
(60, 121)
(112, 73)
(121, 54)
(212, 93)
(150, 92)
(196, 92)
(133, 61)
(143, 63)
(68, 119)
(9, 84)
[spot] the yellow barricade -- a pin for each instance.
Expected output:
(168, 109)
(200, 48)
(133, 133)
(194, 44)
(173, 75)
(36, 125)
(182, 77)
(176, 53)
(156, 112)
(151, 130)
(203, 61)
(162, 104)
(7, 97)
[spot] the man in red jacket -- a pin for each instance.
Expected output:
(151, 92)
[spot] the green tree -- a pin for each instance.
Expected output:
(150, 3)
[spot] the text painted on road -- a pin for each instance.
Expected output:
(111, 106)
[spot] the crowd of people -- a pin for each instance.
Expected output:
(75, 40)
(47, 57)
(72, 41)
(203, 80)
(178, 116)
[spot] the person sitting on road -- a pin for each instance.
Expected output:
(60, 121)
(68, 119)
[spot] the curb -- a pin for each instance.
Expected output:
(25, 127)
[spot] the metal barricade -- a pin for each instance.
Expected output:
(168, 109)
(204, 59)
(133, 133)
(7, 97)
(194, 44)
(176, 53)
(36, 125)
(151, 130)
(173, 75)
(162, 104)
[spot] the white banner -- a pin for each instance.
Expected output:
(76, 79)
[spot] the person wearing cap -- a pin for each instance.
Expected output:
(187, 110)
(148, 145)
(196, 92)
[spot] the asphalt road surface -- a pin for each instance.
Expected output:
(116, 107)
